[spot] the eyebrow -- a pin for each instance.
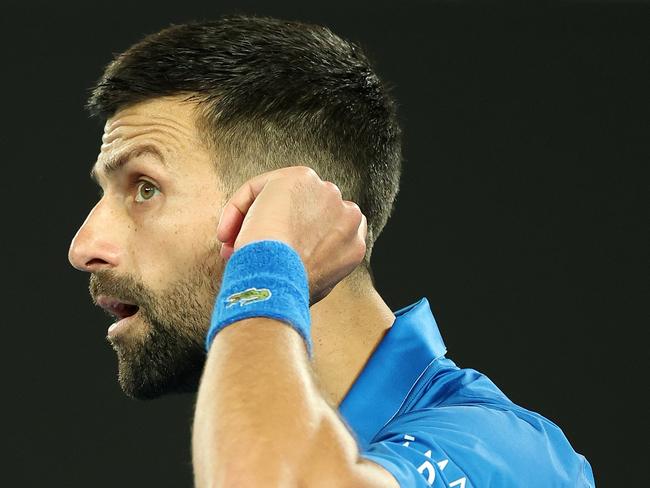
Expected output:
(116, 163)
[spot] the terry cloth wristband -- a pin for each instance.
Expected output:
(263, 279)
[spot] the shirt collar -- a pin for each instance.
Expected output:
(393, 368)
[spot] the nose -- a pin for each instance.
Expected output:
(94, 246)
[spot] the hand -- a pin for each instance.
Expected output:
(295, 206)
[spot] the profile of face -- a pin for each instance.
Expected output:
(150, 245)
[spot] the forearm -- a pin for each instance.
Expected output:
(259, 415)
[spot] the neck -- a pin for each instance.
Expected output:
(347, 326)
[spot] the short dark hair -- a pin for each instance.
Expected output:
(272, 93)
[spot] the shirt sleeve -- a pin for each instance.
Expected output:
(478, 447)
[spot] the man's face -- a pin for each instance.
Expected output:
(150, 245)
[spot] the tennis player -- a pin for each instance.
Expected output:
(247, 167)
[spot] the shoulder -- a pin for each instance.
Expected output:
(457, 425)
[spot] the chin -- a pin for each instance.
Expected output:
(141, 387)
(151, 392)
(158, 367)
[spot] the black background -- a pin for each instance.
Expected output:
(521, 217)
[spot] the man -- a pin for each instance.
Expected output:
(233, 151)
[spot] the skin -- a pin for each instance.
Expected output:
(158, 246)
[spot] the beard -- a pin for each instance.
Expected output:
(170, 356)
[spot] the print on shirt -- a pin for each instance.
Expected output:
(428, 471)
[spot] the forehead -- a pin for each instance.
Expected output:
(164, 126)
(168, 117)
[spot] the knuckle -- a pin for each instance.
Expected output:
(354, 208)
(332, 186)
(361, 250)
(307, 171)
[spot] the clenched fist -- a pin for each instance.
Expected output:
(295, 206)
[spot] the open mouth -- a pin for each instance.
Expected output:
(116, 307)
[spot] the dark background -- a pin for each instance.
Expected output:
(520, 217)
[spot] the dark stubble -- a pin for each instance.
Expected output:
(171, 355)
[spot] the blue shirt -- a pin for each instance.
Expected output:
(430, 423)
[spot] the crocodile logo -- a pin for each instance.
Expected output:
(251, 295)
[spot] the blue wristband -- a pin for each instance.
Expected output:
(263, 279)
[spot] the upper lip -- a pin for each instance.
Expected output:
(116, 306)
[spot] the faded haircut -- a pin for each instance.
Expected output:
(272, 93)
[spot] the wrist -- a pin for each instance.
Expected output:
(264, 278)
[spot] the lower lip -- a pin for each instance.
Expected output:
(121, 325)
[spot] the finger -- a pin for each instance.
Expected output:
(333, 186)
(235, 210)
(356, 210)
(363, 228)
(226, 251)
(351, 204)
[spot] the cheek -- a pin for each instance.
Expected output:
(167, 248)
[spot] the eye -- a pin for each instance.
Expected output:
(146, 191)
